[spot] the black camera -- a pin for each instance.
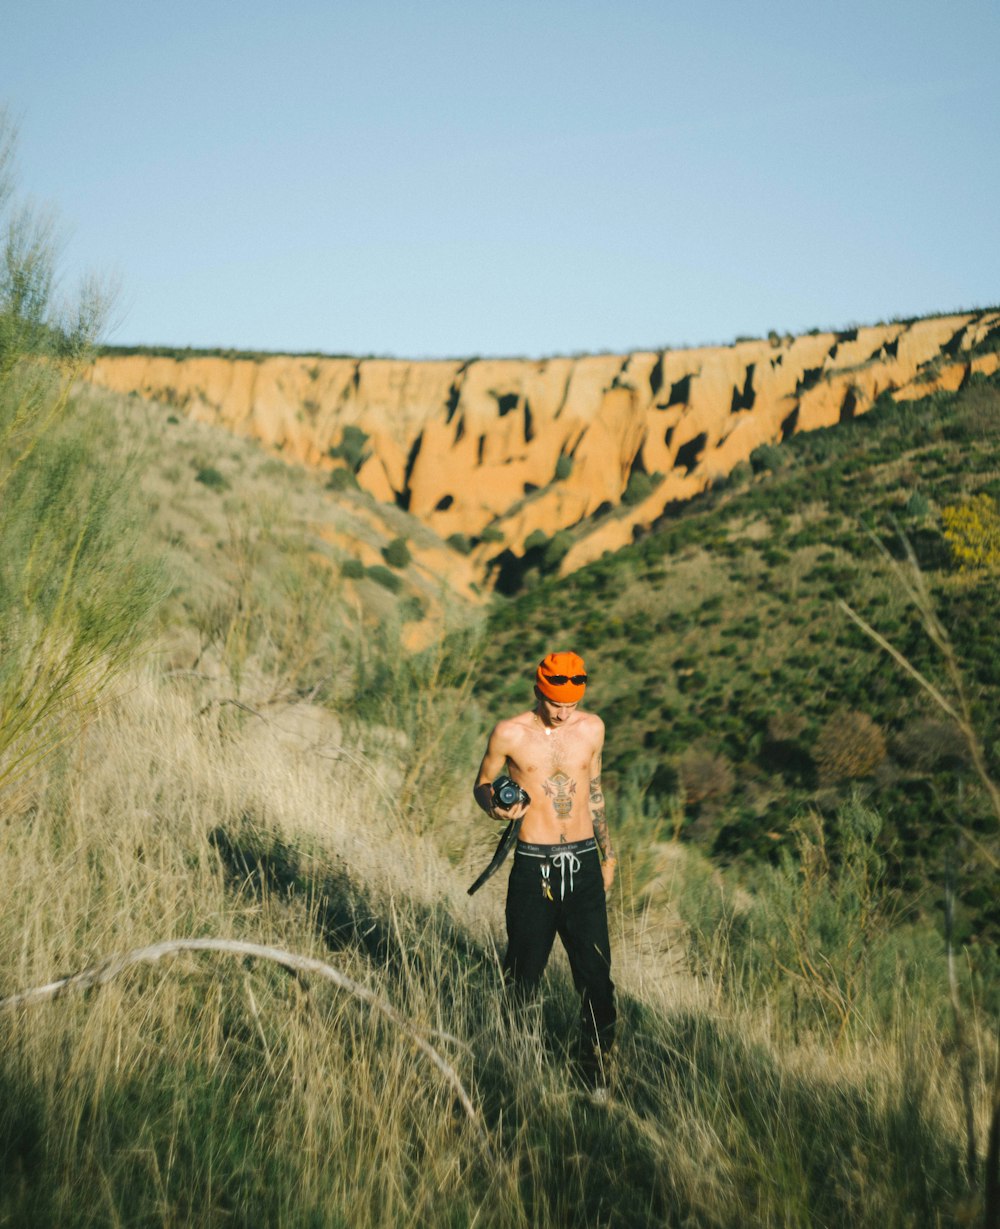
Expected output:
(507, 793)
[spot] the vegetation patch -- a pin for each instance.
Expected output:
(766, 671)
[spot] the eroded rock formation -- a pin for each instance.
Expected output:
(518, 448)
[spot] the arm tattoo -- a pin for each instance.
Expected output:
(599, 818)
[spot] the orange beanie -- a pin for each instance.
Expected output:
(562, 678)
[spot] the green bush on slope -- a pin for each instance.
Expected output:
(74, 597)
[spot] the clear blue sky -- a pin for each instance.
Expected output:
(440, 178)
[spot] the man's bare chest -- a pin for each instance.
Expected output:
(558, 757)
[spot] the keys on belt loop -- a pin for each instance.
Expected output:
(546, 886)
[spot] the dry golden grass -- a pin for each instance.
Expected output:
(203, 1091)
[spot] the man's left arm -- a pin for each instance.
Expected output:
(600, 820)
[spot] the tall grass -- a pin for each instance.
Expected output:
(279, 614)
(206, 1092)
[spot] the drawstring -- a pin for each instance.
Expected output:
(563, 856)
(560, 859)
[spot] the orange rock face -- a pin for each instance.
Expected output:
(524, 446)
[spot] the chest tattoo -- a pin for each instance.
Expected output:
(561, 788)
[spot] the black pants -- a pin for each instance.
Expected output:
(559, 890)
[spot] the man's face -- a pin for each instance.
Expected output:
(554, 714)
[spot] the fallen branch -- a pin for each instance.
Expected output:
(101, 974)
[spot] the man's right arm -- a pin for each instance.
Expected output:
(492, 766)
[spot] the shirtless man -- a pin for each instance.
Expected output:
(563, 863)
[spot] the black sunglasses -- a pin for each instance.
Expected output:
(558, 680)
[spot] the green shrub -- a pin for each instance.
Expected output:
(564, 467)
(491, 534)
(352, 569)
(209, 476)
(397, 553)
(556, 550)
(927, 743)
(411, 608)
(342, 480)
(640, 486)
(767, 458)
(460, 542)
(75, 594)
(917, 506)
(351, 447)
(977, 414)
(740, 474)
(382, 576)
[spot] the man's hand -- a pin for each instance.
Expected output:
(608, 872)
(484, 796)
(506, 814)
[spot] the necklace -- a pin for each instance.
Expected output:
(549, 730)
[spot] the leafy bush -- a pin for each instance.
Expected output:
(977, 414)
(767, 458)
(397, 553)
(739, 475)
(972, 531)
(640, 486)
(849, 746)
(460, 542)
(411, 608)
(75, 598)
(917, 506)
(705, 775)
(823, 916)
(351, 447)
(786, 726)
(927, 743)
(342, 480)
(211, 477)
(382, 576)
(556, 550)
(352, 569)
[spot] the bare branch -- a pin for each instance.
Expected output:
(963, 718)
(100, 974)
(895, 654)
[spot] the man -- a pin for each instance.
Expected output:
(563, 862)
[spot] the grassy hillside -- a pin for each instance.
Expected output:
(738, 694)
(261, 552)
(204, 1090)
(226, 788)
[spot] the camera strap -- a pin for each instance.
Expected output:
(505, 845)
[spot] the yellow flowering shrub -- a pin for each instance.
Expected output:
(972, 530)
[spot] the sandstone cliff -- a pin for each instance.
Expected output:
(517, 448)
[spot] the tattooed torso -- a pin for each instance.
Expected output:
(557, 770)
